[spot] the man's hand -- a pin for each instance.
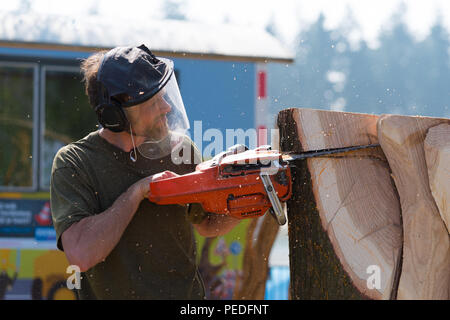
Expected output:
(142, 187)
(237, 148)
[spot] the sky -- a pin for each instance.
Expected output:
(288, 16)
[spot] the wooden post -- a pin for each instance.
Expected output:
(261, 234)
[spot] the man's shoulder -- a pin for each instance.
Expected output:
(71, 154)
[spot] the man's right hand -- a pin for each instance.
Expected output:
(142, 187)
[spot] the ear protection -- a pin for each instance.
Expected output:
(110, 113)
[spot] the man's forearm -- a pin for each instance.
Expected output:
(216, 225)
(91, 240)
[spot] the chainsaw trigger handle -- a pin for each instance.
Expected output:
(277, 207)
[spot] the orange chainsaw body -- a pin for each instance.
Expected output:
(229, 184)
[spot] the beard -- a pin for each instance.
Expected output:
(157, 131)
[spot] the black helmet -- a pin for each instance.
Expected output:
(134, 71)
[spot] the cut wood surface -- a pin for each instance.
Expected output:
(437, 155)
(426, 250)
(319, 129)
(344, 216)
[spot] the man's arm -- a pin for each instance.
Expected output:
(91, 240)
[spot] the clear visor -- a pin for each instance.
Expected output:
(159, 124)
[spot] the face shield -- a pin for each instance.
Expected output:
(153, 105)
(159, 124)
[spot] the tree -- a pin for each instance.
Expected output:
(174, 9)
(431, 70)
(304, 84)
(401, 76)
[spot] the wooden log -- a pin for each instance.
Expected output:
(261, 234)
(437, 155)
(426, 249)
(344, 216)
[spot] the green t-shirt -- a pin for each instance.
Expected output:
(155, 257)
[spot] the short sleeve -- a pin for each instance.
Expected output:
(71, 200)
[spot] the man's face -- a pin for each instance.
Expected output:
(148, 119)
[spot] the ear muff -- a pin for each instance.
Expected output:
(111, 116)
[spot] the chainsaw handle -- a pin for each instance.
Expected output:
(277, 207)
(164, 175)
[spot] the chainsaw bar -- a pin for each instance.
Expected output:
(318, 153)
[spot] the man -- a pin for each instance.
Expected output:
(126, 246)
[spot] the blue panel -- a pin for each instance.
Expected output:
(44, 54)
(277, 286)
(221, 94)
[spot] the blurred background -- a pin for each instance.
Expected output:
(389, 56)
(238, 63)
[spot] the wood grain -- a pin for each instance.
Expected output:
(426, 249)
(437, 156)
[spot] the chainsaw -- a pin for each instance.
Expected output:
(240, 184)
